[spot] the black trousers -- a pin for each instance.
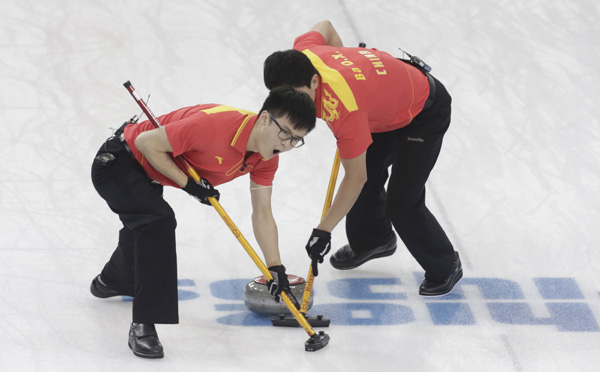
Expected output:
(144, 265)
(412, 152)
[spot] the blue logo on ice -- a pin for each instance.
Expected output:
(370, 304)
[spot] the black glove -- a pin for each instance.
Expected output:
(317, 247)
(201, 190)
(279, 283)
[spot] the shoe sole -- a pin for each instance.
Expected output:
(147, 356)
(100, 294)
(103, 294)
(458, 277)
(378, 255)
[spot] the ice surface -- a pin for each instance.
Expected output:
(517, 187)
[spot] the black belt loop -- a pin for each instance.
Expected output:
(432, 91)
(126, 145)
(120, 135)
(121, 129)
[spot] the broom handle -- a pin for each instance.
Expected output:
(328, 199)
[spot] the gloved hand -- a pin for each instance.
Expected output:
(279, 283)
(201, 190)
(317, 247)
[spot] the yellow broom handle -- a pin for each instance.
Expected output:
(263, 268)
(328, 199)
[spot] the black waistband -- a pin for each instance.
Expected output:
(120, 135)
(431, 97)
(125, 144)
(432, 90)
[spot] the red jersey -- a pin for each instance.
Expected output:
(213, 139)
(362, 91)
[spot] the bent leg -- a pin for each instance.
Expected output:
(367, 226)
(416, 156)
(146, 248)
(119, 271)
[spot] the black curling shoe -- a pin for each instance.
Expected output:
(345, 258)
(430, 288)
(144, 342)
(100, 290)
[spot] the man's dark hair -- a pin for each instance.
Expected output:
(288, 67)
(297, 106)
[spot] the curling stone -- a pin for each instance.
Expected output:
(258, 299)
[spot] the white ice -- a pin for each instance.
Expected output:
(517, 186)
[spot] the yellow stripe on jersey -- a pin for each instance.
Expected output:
(240, 129)
(224, 108)
(335, 80)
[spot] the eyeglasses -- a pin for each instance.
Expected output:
(285, 135)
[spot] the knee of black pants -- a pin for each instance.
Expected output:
(401, 207)
(163, 217)
(405, 223)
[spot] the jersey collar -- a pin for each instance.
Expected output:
(240, 140)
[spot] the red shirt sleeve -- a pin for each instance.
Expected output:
(353, 134)
(264, 174)
(309, 39)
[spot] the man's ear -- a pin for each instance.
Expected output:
(264, 118)
(314, 82)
